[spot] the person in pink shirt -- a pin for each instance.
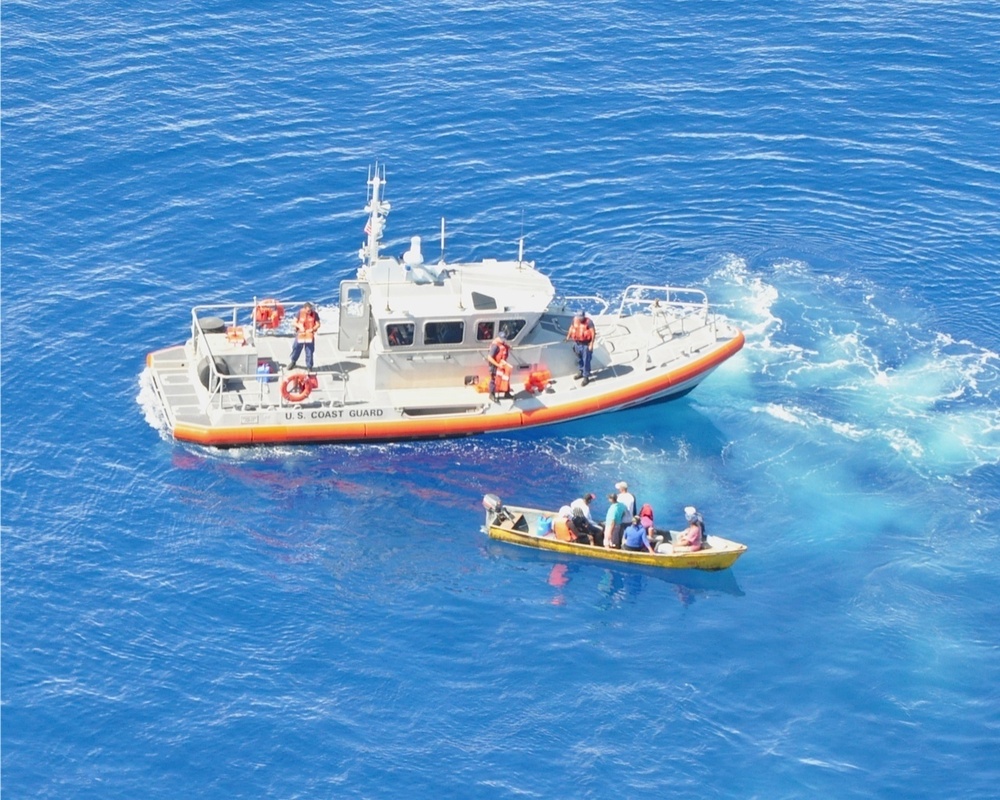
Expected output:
(693, 536)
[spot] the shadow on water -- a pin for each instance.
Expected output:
(618, 584)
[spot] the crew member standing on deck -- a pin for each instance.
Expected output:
(306, 325)
(582, 334)
(497, 356)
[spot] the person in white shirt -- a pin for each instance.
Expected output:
(626, 498)
(584, 521)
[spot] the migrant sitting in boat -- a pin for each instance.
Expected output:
(691, 539)
(636, 537)
(584, 520)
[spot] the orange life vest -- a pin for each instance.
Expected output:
(502, 350)
(582, 332)
(562, 530)
(268, 314)
(501, 380)
(306, 324)
(538, 381)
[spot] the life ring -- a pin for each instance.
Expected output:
(268, 314)
(297, 386)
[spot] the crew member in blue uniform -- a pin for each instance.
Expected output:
(582, 334)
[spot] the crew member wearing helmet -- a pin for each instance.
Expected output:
(582, 334)
(497, 356)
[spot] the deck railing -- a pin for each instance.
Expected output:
(240, 317)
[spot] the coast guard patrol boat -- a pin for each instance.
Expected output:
(402, 352)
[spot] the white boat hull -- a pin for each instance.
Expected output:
(344, 409)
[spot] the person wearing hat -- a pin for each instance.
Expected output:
(646, 520)
(582, 334)
(306, 325)
(693, 514)
(583, 519)
(626, 498)
(693, 536)
(497, 357)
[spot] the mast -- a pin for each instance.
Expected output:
(378, 210)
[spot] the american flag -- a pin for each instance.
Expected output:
(368, 227)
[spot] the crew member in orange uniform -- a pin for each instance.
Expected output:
(497, 356)
(582, 334)
(306, 325)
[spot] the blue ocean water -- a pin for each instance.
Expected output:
(330, 621)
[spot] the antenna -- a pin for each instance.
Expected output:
(378, 210)
(520, 245)
(442, 240)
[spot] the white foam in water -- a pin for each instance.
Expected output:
(755, 302)
(151, 408)
(857, 372)
(780, 412)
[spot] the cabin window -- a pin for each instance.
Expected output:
(451, 332)
(484, 331)
(483, 302)
(355, 305)
(399, 334)
(512, 327)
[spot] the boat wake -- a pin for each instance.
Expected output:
(826, 356)
(152, 410)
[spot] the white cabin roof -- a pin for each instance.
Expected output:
(455, 289)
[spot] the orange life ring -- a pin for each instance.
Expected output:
(268, 314)
(297, 386)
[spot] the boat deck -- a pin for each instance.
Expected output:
(422, 392)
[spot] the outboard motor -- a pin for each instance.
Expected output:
(494, 508)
